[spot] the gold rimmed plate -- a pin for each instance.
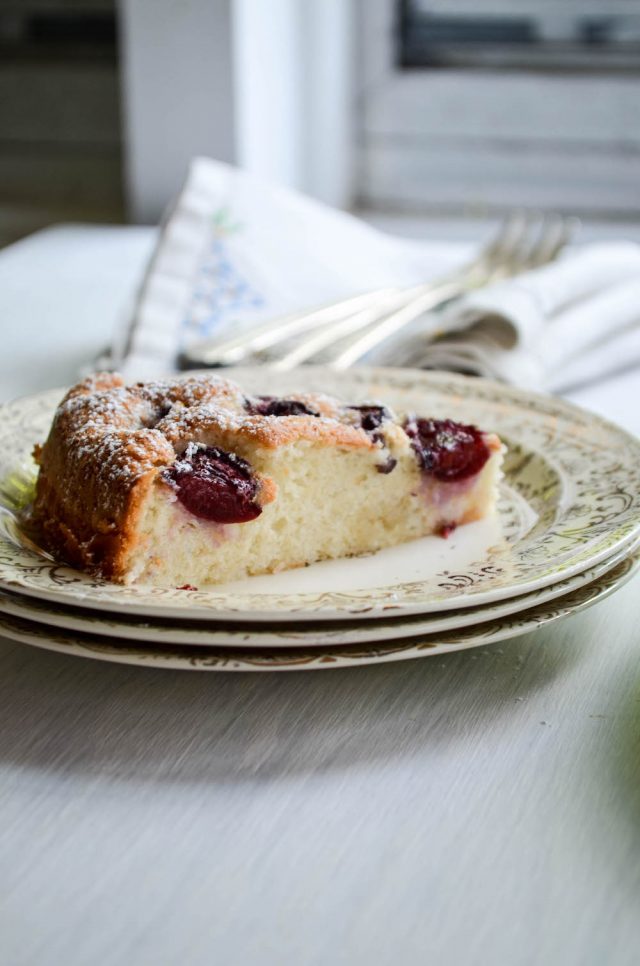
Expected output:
(175, 657)
(305, 634)
(570, 499)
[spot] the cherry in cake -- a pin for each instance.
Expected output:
(214, 485)
(273, 406)
(190, 482)
(447, 450)
(371, 417)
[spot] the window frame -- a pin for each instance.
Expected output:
(471, 141)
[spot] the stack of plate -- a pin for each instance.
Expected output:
(567, 535)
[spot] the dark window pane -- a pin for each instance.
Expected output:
(443, 34)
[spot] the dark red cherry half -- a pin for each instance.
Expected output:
(215, 485)
(447, 450)
(371, 417)
(274, 406)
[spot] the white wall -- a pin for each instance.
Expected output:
(178, 98)
(263, 83)
(455, 140)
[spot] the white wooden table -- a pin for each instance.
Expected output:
(480, 808)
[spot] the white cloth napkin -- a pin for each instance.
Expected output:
(556, 327)
(234, 251)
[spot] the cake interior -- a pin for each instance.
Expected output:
(192, 482)
(330, 503)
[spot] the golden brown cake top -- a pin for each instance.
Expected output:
(109, 439)
(138, 425)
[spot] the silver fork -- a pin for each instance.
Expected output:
(402, 307)
(344, 316)
(523, 241)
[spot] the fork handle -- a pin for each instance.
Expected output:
(232, 351)
(358, 346)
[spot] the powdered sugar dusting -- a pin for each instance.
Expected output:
(110, 441)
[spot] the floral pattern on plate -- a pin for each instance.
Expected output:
(306, 633)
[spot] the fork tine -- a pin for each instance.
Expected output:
(495, 250)
(508, 234)
(559, 234)
(514, 254)
(553, 233)
(545, 243)
(518, 235)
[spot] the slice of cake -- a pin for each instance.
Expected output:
(193, 482)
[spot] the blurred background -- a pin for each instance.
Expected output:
(402, 110)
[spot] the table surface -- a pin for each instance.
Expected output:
(482, 807)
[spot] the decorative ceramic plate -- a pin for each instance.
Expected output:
(272, 635)
(315, 659)
(571, 497)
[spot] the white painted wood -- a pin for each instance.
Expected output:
(477, 808)
(268, 82)
(452, 137)
(265, 85)
(412, 224)
(293, 66)
(438, 175)
(329, 110)
(588, 111)
(177, 94)
(375, 21)
(515, 8)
